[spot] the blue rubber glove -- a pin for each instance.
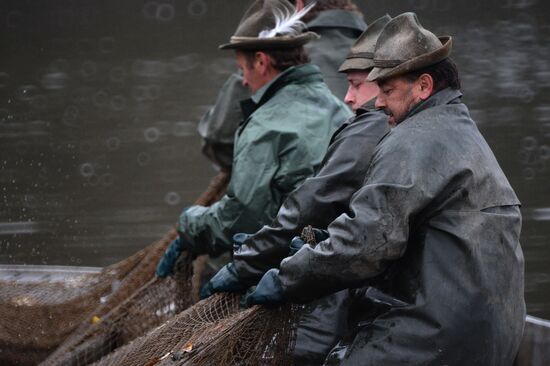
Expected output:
(320, 235)
(269, 290)
(166, 264)
(297, 242)
(226, 280)
(239, 239)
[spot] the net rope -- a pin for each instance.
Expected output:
(89, 315)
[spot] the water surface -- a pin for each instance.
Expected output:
(99, 103)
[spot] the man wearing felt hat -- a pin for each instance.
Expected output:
(286, 129)
(318, 201)
(435, 227)
(337, 22)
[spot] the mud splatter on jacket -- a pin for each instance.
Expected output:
(436, 225)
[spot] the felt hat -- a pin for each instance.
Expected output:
(405, 46)
(361, 54)
(271, 24)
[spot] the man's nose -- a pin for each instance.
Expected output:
(348, 99)
(380, 102)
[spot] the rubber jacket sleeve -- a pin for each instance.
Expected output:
(319, 200)
(266, 169)
(375, 232)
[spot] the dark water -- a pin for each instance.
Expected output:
(99, 102)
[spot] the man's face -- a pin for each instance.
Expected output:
(252, 77)
(397, 97)
(360, 91)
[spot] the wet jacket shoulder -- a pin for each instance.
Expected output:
(338, 30)
(320, 199)
(436, 225)
(282, 141)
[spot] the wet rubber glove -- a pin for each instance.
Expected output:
(269, 290)
(239, 239)
(297, 242)
(166, 264)
(226, 280)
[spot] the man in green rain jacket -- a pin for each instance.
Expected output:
(338, 22)
(287, 126)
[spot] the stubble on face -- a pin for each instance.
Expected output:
(397, 98)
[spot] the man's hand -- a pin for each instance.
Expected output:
(226, 280)
(298, 242)
(269, 290)
(166, 264)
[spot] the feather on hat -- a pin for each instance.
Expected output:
(269, 24)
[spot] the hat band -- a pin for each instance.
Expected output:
(369, 55)
(386, 64)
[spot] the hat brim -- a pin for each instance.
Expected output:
(362, 64)
(416, 63)
(254, 43)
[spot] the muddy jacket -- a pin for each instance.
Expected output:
(320, 199)
(435, 226)
(338, 30)
(281, 142)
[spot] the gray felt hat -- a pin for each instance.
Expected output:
(405, 46)
(270, 24)
(361, 54)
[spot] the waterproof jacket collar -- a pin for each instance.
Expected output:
(338, 19)
(442, 97)
(367, 107)
(296, 74)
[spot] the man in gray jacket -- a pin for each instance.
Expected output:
(435, 226)
(318, 201)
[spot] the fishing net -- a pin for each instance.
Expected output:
(92, 314)
(215, 331)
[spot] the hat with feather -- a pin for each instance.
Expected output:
(270, 24)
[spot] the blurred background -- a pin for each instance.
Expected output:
(99, 104)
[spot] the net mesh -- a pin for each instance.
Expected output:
(90, 315)
(215, 331)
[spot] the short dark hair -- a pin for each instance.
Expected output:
(281, 59)
(443, 73)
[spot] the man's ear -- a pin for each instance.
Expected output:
(262, 61)
(425, 86)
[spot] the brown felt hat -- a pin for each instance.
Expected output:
(256, 29)
(361, 54)
(405, 46)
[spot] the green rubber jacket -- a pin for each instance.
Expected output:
(338, 30)
(282, 140)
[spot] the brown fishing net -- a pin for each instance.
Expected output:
(216, 331)
(92, 314)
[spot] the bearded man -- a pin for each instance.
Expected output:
(435, 227)
(287, 126)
